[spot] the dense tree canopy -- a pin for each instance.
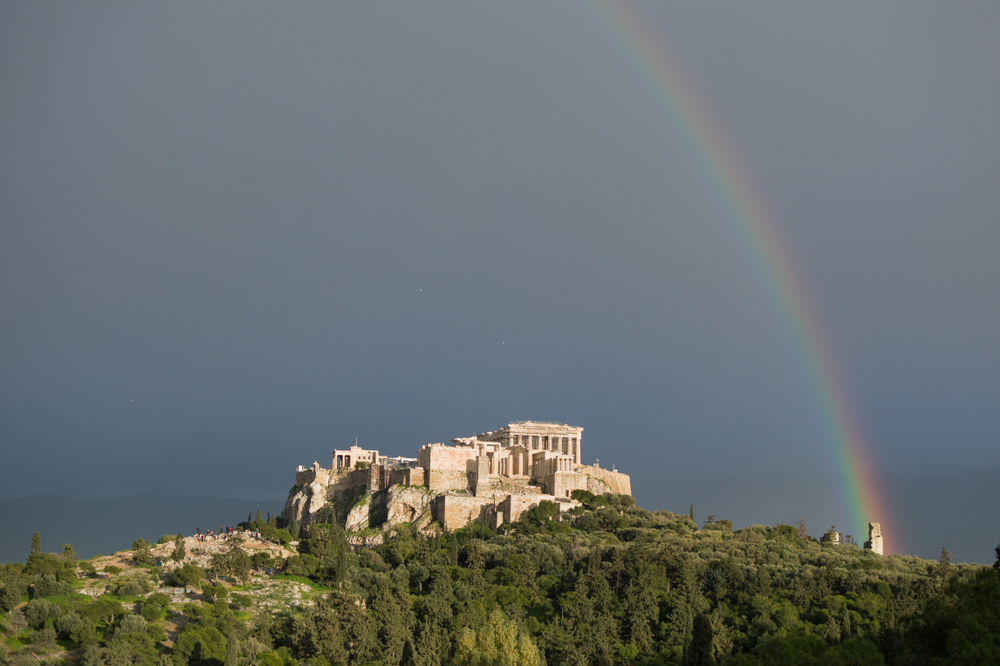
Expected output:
(606, 583)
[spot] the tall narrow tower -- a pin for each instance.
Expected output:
(874, 542)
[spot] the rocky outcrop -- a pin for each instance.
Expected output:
(383, 510)
(600, 480)
(359, 517)
(304, 502)
(396, 506)
(409, 504)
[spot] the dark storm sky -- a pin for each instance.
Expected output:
(236, 236)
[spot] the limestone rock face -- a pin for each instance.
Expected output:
(395, 506)
(408, 504)
(359, 517)
(304, 502)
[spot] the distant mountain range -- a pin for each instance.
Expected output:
(102, 525)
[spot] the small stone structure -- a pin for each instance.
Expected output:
(832, 536)
(493, 478)
(348, 458)
(874, 542)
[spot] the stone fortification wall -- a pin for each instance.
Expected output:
(515, 486)
(456, 511)
(513, 507)
(445, 458)
(443, 480)
(562, 484)
(407, 476)
(602, 481)
(342, 481)
(305, 476)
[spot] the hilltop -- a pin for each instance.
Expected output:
(604, 582)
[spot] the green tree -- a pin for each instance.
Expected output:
(945, 567)
(189, 574)
(232, 651)
(392, 622)
(36, 543)
(686, 602)
(499, 642)
(699, 651)
(180, 551)
(199, 645)
(233, 561)
(642, 612)
(141, 551)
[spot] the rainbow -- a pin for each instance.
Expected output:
(859, 490)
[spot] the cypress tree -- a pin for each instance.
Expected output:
(232, 651)
(699, 652)
(36, 543)
(179, 551)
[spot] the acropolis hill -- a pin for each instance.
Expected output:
(491, 478)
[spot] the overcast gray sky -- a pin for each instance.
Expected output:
(236, 236)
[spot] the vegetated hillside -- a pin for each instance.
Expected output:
(608, 584)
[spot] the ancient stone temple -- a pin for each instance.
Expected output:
(540, 436)
(349, 458)
(874, 542)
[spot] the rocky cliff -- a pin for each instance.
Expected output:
(359, 510)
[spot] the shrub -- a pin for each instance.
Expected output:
(261, 560)
(214, 591)
(39, 611)
(44, 637)
(131, 624)
(48, 586)
(133, 587)
(69, 624)
(240, 600)
(189, 574)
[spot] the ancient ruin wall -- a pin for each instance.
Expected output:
(444, 480)
(442, 457)
(305, 476)
(562, 484)
(342, 481)
(456, 511)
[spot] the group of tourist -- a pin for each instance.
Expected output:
(211, 535)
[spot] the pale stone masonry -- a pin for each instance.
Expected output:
(874, 542)
(349, 458)
(493, 477)
(541, 436)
